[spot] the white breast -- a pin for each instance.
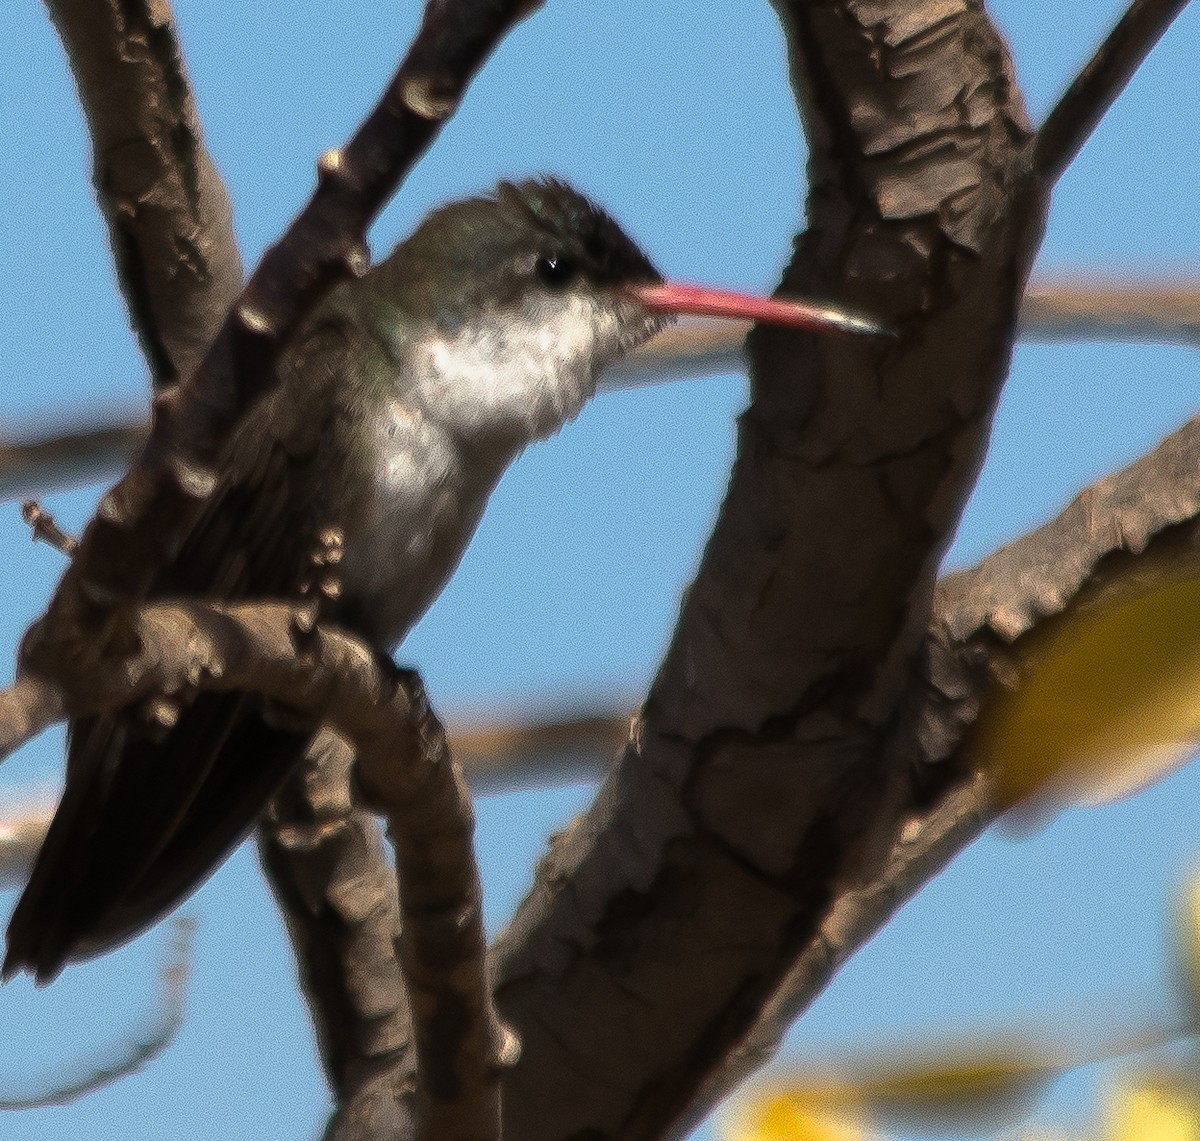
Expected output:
(421, 505)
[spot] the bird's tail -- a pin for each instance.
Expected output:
(142, 822)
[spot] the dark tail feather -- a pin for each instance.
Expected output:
(141, 824)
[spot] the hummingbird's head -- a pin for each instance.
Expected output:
(507, 307)
(519, 299)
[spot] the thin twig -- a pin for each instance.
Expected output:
(73, 454)
(509, 755)
(1084, 103)
(46, 530)
(169, 1013)
(1098, 306)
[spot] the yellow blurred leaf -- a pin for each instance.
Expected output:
(1158, 1109)
(777, 1115)
(962, 1092)
(1109, 705)
(968, 1089)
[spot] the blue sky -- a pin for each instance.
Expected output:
(680, 120)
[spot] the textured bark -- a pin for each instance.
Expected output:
(756, 787)
(988, 623)
(167, 211)
(324, 859)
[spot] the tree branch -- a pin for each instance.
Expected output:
(1098, 306)
(460, 1044)
(1140, 522)
(928, 841)
(1084, 103)
(74, 454)
(405, 766)
(168, 215)
(754, 786)
(324, 860)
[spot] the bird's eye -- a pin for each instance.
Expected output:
(555, 271)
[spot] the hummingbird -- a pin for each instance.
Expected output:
(399, 403)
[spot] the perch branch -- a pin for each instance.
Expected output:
(404, 764)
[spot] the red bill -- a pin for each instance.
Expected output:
(702, 301)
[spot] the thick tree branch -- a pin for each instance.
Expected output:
(928, 841)
(754, 786)
(1084, 103)
(168, 214)
(405, 766)
(1136, 524)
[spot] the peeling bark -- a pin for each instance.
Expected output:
(757, 788)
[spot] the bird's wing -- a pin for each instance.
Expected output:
(145, 816)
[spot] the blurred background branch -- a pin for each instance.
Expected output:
(1095, 307)
(160, 1030)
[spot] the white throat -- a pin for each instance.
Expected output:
(516, 375)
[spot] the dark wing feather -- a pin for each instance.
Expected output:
(144, 819)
